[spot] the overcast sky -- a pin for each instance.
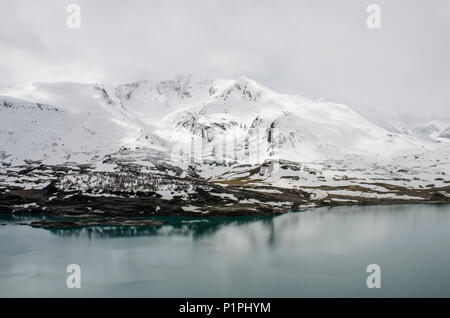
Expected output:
(317, 48)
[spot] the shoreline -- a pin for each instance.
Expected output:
(125, 209)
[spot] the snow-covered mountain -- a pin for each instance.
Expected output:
(54, 121)
(217, 130)
(432, 128)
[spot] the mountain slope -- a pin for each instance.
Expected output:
(176, 140)
(231, 120)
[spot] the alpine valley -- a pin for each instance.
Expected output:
(195, 147)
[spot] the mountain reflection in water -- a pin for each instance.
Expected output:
(317, 252)
(193, 227)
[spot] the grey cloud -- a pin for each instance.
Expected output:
(314, 48)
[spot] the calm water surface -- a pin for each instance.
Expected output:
(318, 252)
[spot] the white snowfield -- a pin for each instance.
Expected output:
(224, 129)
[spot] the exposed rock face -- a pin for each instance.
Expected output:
(130, 193)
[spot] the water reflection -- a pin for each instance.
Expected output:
(369, 222)
(319, 252)
(190, 227)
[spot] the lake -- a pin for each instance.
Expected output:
(320, 252)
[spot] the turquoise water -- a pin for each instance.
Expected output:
(317, 252)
